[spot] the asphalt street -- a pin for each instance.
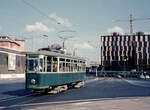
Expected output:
(13, 95)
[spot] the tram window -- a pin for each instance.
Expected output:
(72, 65)
(62, 65)
(55, 63)
(49, 64)
(75, 67)
(62, 59)
(83, 67)
(78, 67)
(41, 65)
(67, 65)
(32, 65)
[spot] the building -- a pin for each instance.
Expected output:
(92, 66)
(12, 58)
(125, 52)
(11, 43)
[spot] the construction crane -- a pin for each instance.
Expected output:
(131, 19)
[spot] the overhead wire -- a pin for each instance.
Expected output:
(39, 11)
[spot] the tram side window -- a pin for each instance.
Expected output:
(55, 63)
(41, 65)
(67, 65)
(32, 65)
(62, 65)
(79, 65)
(75, 66)
(83, 66)
(72, 65)
(49, 64)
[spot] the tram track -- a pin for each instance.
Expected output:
(27, 100)
(47, 99)
(66, 102)
(13, 98)
(7, 103)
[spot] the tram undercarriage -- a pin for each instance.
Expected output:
(58, 89)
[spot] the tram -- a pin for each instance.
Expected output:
(55, 72)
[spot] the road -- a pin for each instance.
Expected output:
(99, 94)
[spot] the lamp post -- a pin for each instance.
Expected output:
(124, 63)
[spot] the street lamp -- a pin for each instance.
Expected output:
(125, 60)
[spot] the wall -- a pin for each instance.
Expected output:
(19, 62)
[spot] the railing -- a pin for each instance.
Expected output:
(122, 74)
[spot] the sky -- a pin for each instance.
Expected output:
(83, 22)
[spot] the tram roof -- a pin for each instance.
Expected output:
(50, 53)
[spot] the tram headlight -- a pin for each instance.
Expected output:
(33, 81)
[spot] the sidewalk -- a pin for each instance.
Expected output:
(12, 76)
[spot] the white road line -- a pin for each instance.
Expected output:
(138, 83)
(13, 98)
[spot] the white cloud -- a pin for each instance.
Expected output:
(83, 45)
(115, 29)
(63, 21)
(38, 26)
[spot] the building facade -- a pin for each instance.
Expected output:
(12, 58)
(125, 52)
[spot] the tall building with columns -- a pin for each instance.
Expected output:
(125, 52)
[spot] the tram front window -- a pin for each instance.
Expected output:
(32, 65)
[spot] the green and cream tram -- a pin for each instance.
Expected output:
(47, 70)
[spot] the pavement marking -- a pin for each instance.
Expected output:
(68, 101)
(138, 83)
(95, 79)
(83, 103)
(13, 98)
